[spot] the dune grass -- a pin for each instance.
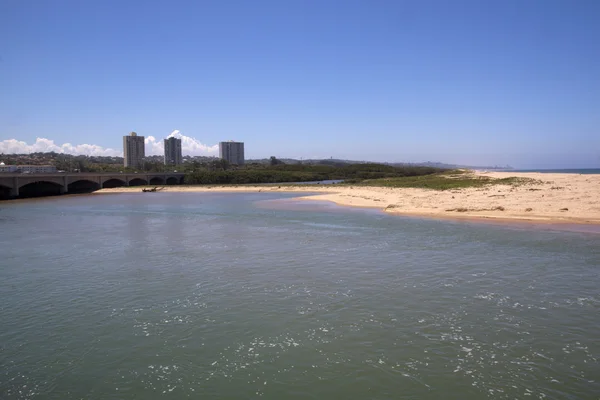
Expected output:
(447, 181)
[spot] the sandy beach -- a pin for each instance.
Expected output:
(566, 198)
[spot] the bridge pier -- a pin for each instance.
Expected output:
(14, 192)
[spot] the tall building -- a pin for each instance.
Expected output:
(133, 150)
(173, 151)
(232, 151)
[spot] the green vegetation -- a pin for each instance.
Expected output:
(280, 173)
(446, 181)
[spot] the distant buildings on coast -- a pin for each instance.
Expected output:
(173, 154)
(232, 152)
(134, 155)
(134, 151)
(27, 169)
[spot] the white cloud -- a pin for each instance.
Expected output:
(14, 146)
(189, 145)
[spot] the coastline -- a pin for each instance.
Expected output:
(558, 199)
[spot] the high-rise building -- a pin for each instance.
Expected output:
(232, 151)
(173, 151)
(133, 150)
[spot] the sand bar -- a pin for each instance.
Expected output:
(568, 198)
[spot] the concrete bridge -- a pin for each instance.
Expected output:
(32, 185)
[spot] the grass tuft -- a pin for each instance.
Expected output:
(446, 181)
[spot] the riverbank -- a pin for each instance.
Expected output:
(554, 198)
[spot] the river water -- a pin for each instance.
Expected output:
(223, 296)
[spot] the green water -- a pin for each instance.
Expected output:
(234, 296)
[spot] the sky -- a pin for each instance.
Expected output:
(467, 82)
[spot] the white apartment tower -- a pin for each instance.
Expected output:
(173, 151)
(232, 151)
(133, 150)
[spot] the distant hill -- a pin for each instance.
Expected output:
(339, 162)
(291, 161)
(451, 166)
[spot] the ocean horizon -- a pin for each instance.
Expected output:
(560, 171)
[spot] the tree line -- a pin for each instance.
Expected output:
(282, 173)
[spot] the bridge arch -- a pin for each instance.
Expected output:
(41, 188)
(27, 179)
(83, 186)
(5, 192)
(113, 183)
(172, 180)
(138, 182)
(157, 181)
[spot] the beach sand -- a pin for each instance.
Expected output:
(560, 198)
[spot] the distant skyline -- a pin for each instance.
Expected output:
(154, 146)
(465, 82)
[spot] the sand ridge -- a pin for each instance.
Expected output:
(572, 198)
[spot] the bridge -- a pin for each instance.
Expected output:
(33, 185)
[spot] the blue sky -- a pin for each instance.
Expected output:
(473, 82)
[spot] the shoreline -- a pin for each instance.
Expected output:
(557, 199)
